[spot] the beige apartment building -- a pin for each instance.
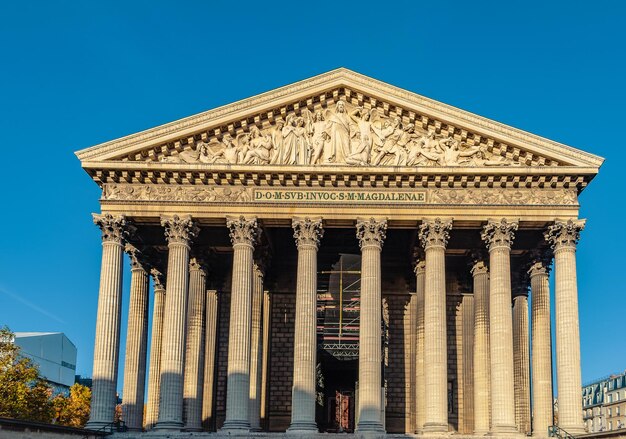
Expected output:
(339, 255)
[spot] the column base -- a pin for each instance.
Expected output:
(369, 427)
(168, 426)
(434, 427)
(302, 427)
(235, 427)
(507, 430)
(192, 429)
(99, 425)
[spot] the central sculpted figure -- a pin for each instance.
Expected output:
(339, 131)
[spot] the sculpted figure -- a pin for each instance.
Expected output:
(259, 148)
(360, 155)
(317, 135)
(448, 153)
(389, 135)
(277, 142)
(339, 131)
(295, 145)
(234, 149)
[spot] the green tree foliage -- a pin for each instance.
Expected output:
(73, 410)
(23, 393)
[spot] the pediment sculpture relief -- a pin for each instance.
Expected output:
(341, 135)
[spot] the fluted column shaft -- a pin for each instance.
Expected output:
(256, 348)
(541, 351)
(267, 318)
(194, 356)
(371, 235)
(107, 343)
(209, 358)
(307, 233)
(499, 237)
(564, 237)
(136, 344)
(243, 236)
(434, 236)
(521, 360)
(154, 373)
(482, 366)
(179, 231)
(420, 383)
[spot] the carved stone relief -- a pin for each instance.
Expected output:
(341, 134)
(196, 193)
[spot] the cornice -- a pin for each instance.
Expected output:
(357, 83)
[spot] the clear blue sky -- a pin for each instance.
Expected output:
(75, 74)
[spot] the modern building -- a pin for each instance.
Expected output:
(339, 255)
(604, 404)
(53, 353)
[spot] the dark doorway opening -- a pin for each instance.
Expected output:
(336, 414)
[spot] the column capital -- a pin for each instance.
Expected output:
(420, 267)
(497, 234)
(137, 258)
(115, 229)
(243, 231)
(564, 234)
(197, 263)
(179, 229)
(537, 268)
(479, 267)
(371, 232)
(307, 231)
(158, 279)
(435, 233)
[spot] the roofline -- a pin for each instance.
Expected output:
(339, 75)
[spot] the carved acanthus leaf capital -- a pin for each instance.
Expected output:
(435, 233)
(198, 263)
(179, 229)
(243, 230)
(371, 232)
(158, 279)
(115, 229)
(537, 269)
(307, 231)
(420, 267)
(138, 259)
(499, 233)
(564, 234)
(479, 267)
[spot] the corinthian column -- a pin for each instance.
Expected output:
(563, 236)
(499, 236)
(521, 360)
(154, 373)
(420, 383)
(209, 358)
(307, 233)
(136, 342)
(243, 234)
(434, 236)
(371, 234)
(482, 366)
(256, 347)
(107, 344)
(179, 231)
(541, 350)
(194, 357)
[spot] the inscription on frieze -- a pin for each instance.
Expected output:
(348, 196)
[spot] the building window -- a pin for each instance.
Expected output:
(610, 412)
(610, 425)
(610, 397)
(616, 396)
(617, 411)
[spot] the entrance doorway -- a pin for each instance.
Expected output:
(339, 294)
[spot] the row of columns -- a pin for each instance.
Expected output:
(180, 346)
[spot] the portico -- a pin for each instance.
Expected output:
(339, 226)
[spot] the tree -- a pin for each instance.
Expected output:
(23, 393)
(73, 410)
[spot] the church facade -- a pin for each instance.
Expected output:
(339, 255)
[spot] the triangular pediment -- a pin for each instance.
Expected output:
(340, 118)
